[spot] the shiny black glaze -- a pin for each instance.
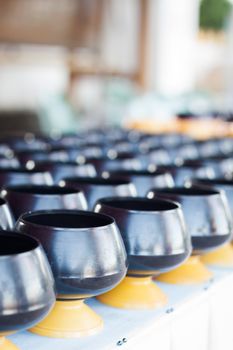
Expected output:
(25, 155)
(26, 141)
(144, 180)
(6, 216)
(153, 231)
(157, 156)
(206, 214)
(5, 150)
(184, 172)
(85, 250)
(122, 161)
(6, 162)
(24, 198)
(26, 282)
(16, 176)
(77, 153)
(219, 183)
(95, 188)
(183, 152)
(208, 148)
(59, 170)
(221, 164)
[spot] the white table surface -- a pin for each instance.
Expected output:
(195, 318)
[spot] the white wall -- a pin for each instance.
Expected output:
(28, 74)
(119, 35)
(173, 29)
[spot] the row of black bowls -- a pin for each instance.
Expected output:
(91, 252)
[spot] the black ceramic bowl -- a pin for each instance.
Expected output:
(184, 172)
(28, 157)
(187, 151)
(95, 188)
(144, 180)
(6, 162)
(153, 231)
(153, 155)
(26, 141)
(16, 176)
(75, 153)
(59, 170)
(26, 282)
(206, 215)
(6, 216)
(85, 250)
(24, 198)
(207, 148)
(5, 150)
(121, 161)
(222, 165)
(219, 183)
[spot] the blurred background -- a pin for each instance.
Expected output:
(70, 64)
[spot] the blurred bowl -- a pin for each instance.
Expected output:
(27, 157)
(118, 161)
(59, 170)
(26, 284)
(95, 188)
(184, 172)
(209, 224)
(6, 217)
(24, 198)
(16, 176)
(144, 180)
(224, 255)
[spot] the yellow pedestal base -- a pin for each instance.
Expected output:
(69, 319)
(191, 272)
(220, 257)
(135, 293)
(6, 344)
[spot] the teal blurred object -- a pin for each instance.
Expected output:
(118, 94)
(56, 115)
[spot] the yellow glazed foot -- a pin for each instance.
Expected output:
(6, 344)
(135, 293)
(220, 257)
(69, 319)
(191, 272)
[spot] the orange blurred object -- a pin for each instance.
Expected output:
(200, 129)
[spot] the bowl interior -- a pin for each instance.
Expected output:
(68, 219)
(97, 181)
(133, 172)
(40, 189)
(139, 204)
(216, 181)
(15, 243)
(187, 191)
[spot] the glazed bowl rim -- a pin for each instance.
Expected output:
(21, 170)
(53, 162)
(22, 217)
(104, 202)
(20, 235)
(17, 189)
(218, 181)
(139, 172)
(96, 181)
(203, 192)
